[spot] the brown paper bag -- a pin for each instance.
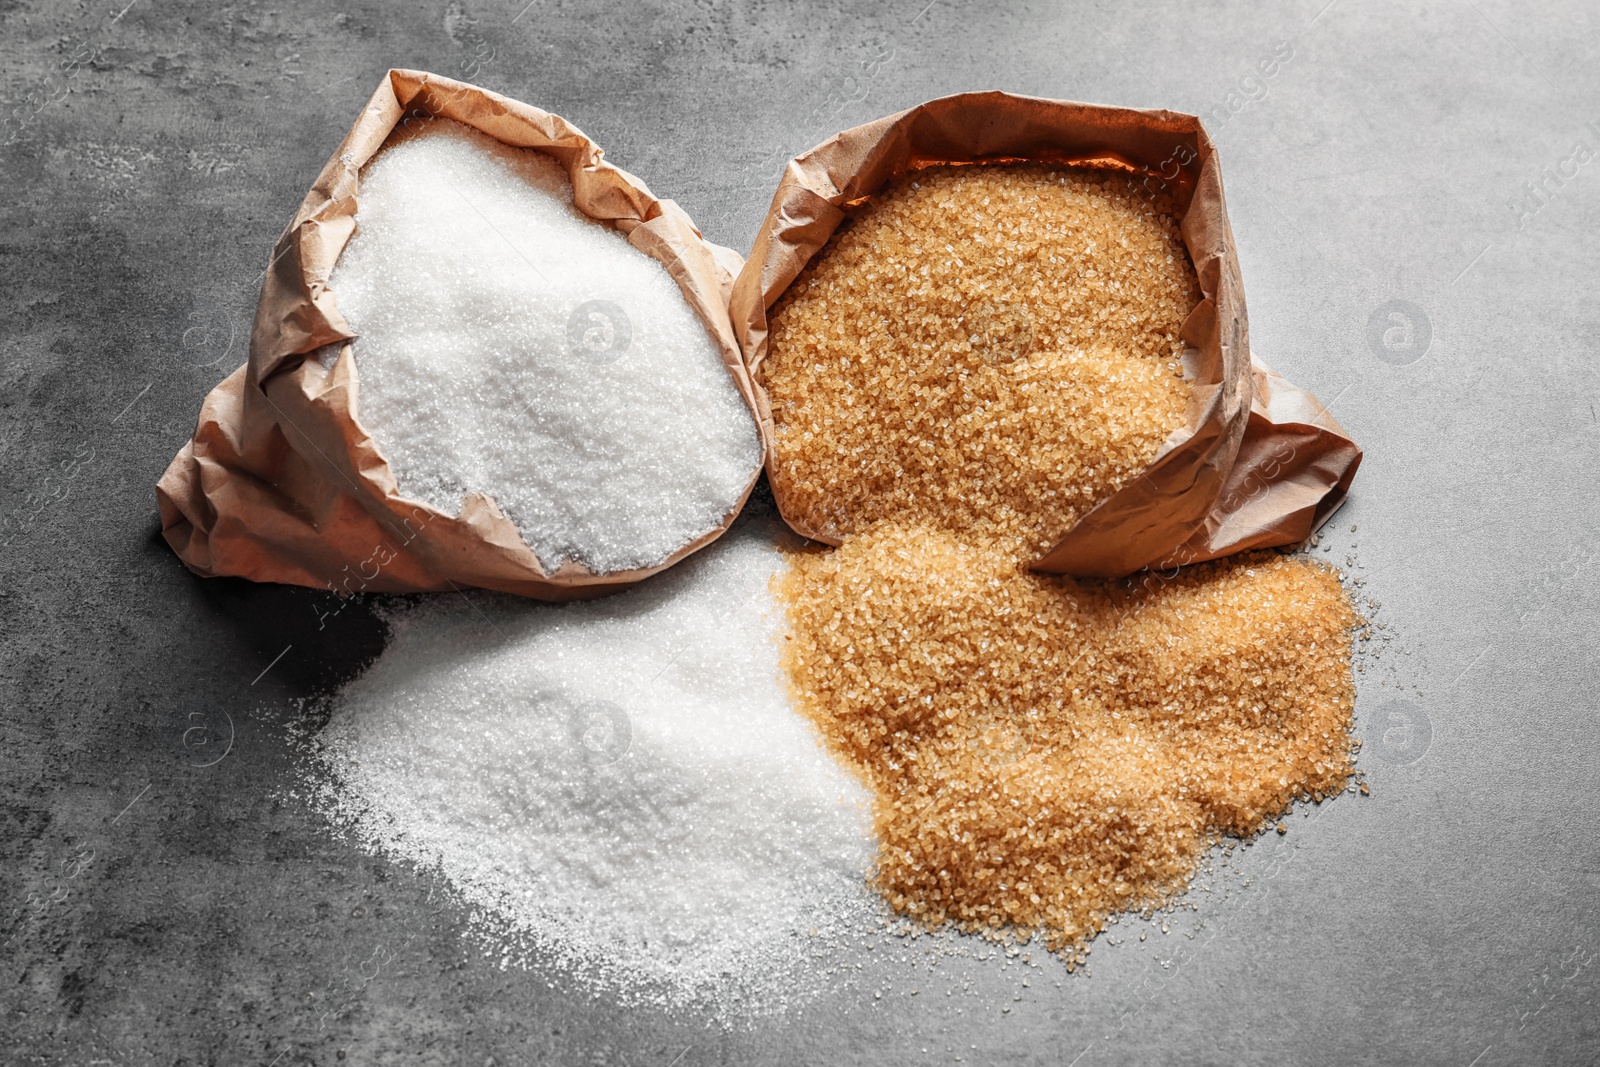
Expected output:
(1260, 462)
(281, 484)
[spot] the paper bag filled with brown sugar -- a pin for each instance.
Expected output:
(1024, 318)
(482, 356)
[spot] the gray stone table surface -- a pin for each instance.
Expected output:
(1416, 196)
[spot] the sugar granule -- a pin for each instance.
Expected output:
(992, 348)
(611, 433)
(620, 787)
(1044, 754)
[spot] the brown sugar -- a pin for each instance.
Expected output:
(1044, 754)
(980, 356)
(989, 348)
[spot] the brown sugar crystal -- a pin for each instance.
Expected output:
(1044, 754)
(992, 348)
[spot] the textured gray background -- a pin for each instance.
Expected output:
(161, 912)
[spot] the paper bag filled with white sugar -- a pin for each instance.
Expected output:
(482, 357)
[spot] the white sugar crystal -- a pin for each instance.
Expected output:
(511, 346)
(620, 787)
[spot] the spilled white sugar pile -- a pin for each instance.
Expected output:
(619, 786)
(609, 432)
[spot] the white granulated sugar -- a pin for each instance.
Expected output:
(611, 433)
(619, 788)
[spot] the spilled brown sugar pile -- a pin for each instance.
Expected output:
(1045, 754)
(1042, 754)
(994, 346)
